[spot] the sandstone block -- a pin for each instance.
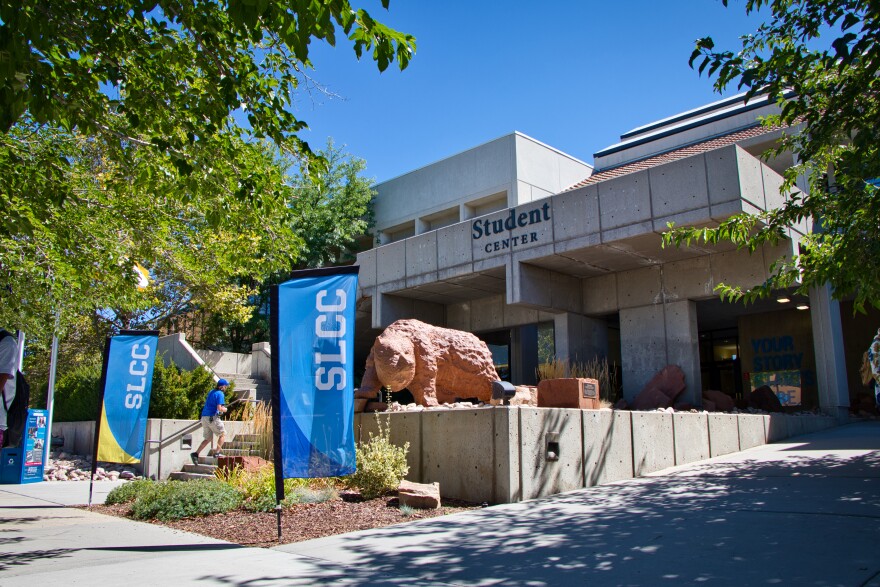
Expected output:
(570, 392)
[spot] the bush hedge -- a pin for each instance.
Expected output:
(172, 500)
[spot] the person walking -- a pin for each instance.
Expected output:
(874, 362)
(212, 423)
(8, 365)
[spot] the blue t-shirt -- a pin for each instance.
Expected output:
(215, 398)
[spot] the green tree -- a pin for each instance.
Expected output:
(819, 59)
(329, 213)
(168, 74)
(197, 232)
(155, 133)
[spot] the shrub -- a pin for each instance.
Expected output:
(380, 465)
(257, 489)
(178, 394)
(129, 491)
(172, 500)
(78, 394)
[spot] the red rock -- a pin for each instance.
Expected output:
(360, 404)
(621, 404)
(419, 495)
(721, 401)
(763, 398)
(249, 464)
(709, 405)
(568, 392)
(651, 398)
(669, 380)
(367, 394)
(437, 365)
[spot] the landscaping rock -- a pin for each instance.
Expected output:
(248, 464)
(419, 495)
(63, 466)
(763, 398)
(720, 401)
(668, 382)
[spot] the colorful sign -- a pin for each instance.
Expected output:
(312, 353)
(128, 379)
(785, 384)
(35, 445)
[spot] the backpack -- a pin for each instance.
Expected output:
(16, 410)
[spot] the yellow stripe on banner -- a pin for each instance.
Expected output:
(109, 450)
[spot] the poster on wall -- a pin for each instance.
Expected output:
(785, 384)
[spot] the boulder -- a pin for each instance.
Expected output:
(419, 495)
(721, 401)
(651, 398)
(569, 392)
(359, 404)
(661, 390)
(437, 365)
(765, 399)
(249, 464)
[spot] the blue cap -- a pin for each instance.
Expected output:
(222, 382)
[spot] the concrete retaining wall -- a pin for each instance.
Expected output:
(507, 454)
(168, 442)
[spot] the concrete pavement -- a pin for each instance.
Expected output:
(803, 512)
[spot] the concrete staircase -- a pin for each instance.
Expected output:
(249, 388)
(242, 445)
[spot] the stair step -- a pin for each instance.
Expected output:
(205, 469)
(184, 476)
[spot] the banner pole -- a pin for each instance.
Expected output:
(100, 415)
(277, 456)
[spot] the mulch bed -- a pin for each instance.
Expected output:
(347, 513)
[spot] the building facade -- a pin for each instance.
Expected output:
(539, 254)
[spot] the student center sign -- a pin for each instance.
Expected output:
(515, 241)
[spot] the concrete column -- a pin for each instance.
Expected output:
(830, 359)
(654, 336)
(388, 308)
(580, 338)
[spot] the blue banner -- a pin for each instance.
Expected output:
(312, 355)
(128, 378)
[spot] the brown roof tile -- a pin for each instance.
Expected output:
(674, 155)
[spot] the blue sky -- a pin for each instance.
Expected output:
(574, 74)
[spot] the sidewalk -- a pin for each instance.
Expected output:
(803, 512)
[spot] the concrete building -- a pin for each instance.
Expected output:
(539, 254)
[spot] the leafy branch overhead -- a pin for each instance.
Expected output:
(170, 73)
(163, 134)
(819, 60)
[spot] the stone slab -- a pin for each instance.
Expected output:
(751, 431)
(551, 441)
(608, 452)
(457, 453)
(723, 434)
(653, 442)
